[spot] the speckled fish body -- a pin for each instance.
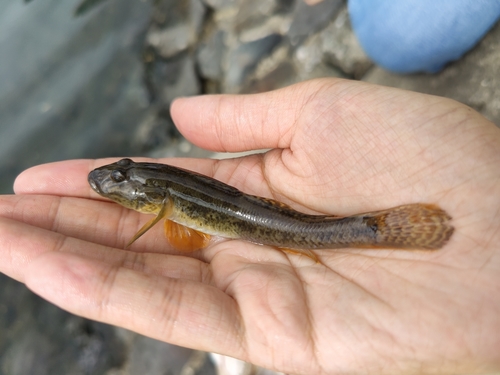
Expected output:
(215, 208)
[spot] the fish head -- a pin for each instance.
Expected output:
(123, 183)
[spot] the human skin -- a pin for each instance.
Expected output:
(336, 147)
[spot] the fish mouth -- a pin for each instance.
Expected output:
(92, 178)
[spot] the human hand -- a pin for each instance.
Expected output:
(337, 147)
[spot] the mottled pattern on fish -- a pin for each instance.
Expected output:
(215, 208)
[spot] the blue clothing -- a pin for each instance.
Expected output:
(420, 35)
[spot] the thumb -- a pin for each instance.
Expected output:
(235, 123)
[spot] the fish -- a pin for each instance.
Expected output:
(197, 207)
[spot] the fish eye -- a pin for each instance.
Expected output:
(124, 162)
(117, 176)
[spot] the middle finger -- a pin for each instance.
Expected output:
(21, 243)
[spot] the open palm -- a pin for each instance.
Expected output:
(336, 147)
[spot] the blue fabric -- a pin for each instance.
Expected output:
(420, 35)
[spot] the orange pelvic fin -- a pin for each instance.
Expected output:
(185, 239)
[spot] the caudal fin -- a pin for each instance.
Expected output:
(413, 226)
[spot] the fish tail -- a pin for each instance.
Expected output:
(413, 226)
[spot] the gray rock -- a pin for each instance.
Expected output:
(185, 21)
(196, 17)
(473, 80)
(282, 75)
(169, 13)
(308, 19)
(209, 56)
(309, 59)
(174, 78)
(244, 58)
(276, 24)
(253, 13)
(220, 4)
(341, 48)
(273, 72)
(155, 131)
(310, 53)
(39, 338)
(171, 41)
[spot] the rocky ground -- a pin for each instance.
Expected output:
(100, 85)
(255, 46)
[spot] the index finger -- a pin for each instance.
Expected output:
(69, 177)
(59, 178)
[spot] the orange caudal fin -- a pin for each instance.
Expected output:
(185, 239)
(413, 226)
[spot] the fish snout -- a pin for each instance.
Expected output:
(95, 178)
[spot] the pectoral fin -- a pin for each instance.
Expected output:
(185, 239)
(163, 212)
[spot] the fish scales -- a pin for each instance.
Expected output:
(215, 208)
